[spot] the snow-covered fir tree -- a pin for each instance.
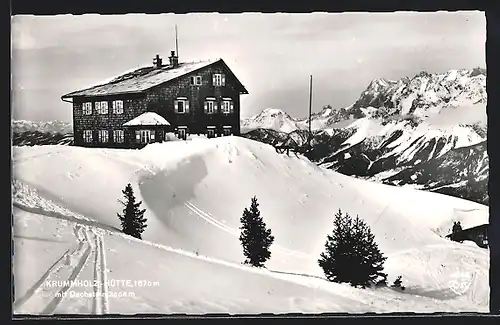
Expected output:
(351, 254)
(255, 237)
(132, 218)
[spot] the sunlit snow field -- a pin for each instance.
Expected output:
(66, 228)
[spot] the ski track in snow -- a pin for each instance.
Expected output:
(208, 218)
(72, 261)
(95, 246)
(100, 305)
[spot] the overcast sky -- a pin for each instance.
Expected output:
(272, 54)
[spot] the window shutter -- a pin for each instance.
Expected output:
(215, 107)
(231, 107)
(152, 135)
(214, 80)
(137, 135)
(223, 77)
(176, 107)
(187, 106)
(206, 107)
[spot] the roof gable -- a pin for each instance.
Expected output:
(145, 78)
(243, 89)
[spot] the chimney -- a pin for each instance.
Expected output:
(174, 60)
(157, 61)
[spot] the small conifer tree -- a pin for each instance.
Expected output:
(132, 218)
(398, 283)
(255, 237)
(351, 254)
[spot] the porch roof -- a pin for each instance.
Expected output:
(148, 118)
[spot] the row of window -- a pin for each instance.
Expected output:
(102, 107)
(103, 136)
(144, 136)
(218, 79)
(226, 130)
(211, 106)
(181, 106)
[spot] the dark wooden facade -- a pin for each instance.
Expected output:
(161, 99)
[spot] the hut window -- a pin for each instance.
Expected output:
(101, 107)
(87, 136)
(118, 136)
(210, 105)
(226, 130)
(146, 136)
(210, 131)
(181, 132)
(181, 105)
(227, 106)
(87, 108)
(218, 79)
(103, 136)
(118, 107)
(196, 80)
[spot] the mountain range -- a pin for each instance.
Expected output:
(30, 133)
(427, 132)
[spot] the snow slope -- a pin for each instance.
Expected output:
(174, 285)
(190, 207)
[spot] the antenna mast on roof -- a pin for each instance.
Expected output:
(176, 42)
(310, 101)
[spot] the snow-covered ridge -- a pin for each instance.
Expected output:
(379, 149)
(426, 94)
(19, 126)
(453, 97)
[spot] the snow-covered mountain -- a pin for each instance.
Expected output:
(66, 228)
(462, 172)
(29, 133)
(20, 126)
(454, 97)
(270, 118)
(396, 125)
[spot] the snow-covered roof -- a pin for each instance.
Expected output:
(148, 118)
(141, 79)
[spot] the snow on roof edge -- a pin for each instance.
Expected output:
(147, 118)
(111, 81)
